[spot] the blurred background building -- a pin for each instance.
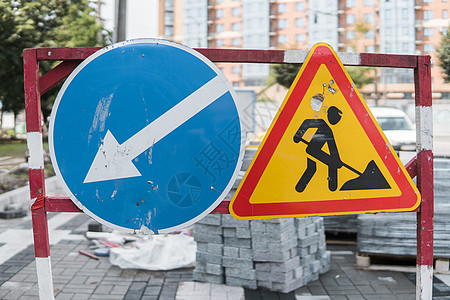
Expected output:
(379, 26)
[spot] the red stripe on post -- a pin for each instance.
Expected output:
(32, 96)
(60, 204)
(65, 53)
(55, 75)
(426, 214)
(243, 55)
(388, 60)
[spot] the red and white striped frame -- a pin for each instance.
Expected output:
(71, 57)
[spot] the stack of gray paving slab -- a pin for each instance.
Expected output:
(341, 224)
(209, 238)
(237, 253)
(395, 233)
(275, 254)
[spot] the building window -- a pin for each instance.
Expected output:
(282, 7)
(369, 34)
(300, 6)
(368, 18)
(236, 26)
(444, 14)
(350, 49)
(351, 35)
(282, 23)
(427, 1)
(220, 28)
(220, 42)
(428, 48)
(445, 31)
(351, 19)
(300, 38)
(235, 12)
(404, 13)
(370, 49)
(428, 15)
(220, 13)
(300, 22)
(282, 39)
(405, 30)
(428, 32)
(236, 70)
(368, 2)
(351, 3)
(236, 42)
(235, 83)
(405, 47)
(388, 14)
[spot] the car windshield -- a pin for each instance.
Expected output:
(393, 123)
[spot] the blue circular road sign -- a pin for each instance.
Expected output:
(146, 135)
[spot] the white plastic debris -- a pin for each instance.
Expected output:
(158, 252)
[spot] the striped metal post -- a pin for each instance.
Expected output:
(36, 174)
(424, 127)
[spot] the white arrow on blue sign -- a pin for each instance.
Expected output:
(146, 135)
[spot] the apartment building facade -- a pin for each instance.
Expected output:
(382, 26)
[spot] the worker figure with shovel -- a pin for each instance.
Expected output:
(323, 135)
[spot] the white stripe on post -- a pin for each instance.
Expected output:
(424, 118)
(299, 57)
(35, 150)
(45, 281)
(424, 282)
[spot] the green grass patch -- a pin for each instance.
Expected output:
(15, 148)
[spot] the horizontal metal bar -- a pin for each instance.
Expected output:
(64, 204)
(252, 56)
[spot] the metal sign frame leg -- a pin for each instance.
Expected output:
(36, 173)
(424, 127)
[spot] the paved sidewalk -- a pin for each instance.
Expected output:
(77, 277)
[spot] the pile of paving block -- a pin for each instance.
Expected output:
(395, 233)
(274, 254)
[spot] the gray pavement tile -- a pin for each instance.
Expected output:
(342, 290)
(64, 296)
(356, 297)
(149, 297)
(133, 295)
(103, 289)
(339, 297)
(318, 290)
(119, 290)
(381, 297)
(152, 290)
(107, 297)
(13, 295)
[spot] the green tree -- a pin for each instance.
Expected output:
(444, 55)
(360, 75)
(40, 23)
(283, 74)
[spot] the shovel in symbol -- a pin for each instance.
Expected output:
(370, 179)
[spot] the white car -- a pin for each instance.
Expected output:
(397, 127)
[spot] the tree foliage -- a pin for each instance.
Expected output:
(444, 55)
(40, 23)
(284, 74)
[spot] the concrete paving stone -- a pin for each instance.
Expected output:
(342, 290)
(106, 297)
(343, 280)
(155, 281)
(119, 290)
(77, 279)
(65, 296)
(356, 297)
(93, 279)
(366, 289)
(382, 297)
(318, 290)
(79, 289)
(151, 297)
(152, 290)
(13, 295)
(103, 289)
(133, 295)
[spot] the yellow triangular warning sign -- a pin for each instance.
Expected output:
(324, 153)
